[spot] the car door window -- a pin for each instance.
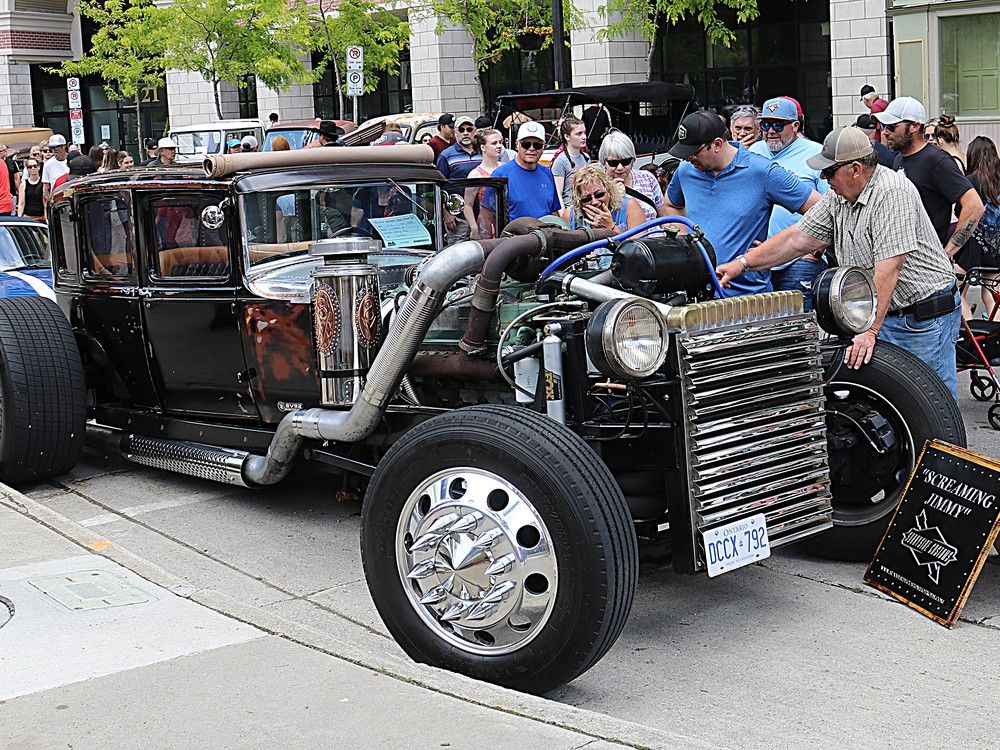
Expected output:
(107, 236)
(67, 251)
(183, 244)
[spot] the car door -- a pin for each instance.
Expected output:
(189, 307)
(107, 311)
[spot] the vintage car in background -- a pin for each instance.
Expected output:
(25, 263)
(517, 419)
(301, 134)
(416, 128)
(195, 142)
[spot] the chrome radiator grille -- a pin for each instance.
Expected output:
(755, 437)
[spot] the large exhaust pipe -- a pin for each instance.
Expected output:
(409, 327)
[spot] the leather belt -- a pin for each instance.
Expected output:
(939, 303)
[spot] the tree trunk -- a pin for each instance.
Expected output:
(652, 44)
(218, 100)
(339, 87)
(478, 79)
(138, 122)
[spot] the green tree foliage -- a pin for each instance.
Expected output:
(382, 34)
(227, 40)
(647, 17)
(127, 50)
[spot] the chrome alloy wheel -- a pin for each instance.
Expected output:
(476, 561)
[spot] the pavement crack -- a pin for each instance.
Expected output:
(290, 595)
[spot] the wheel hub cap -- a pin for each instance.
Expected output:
(476, 561)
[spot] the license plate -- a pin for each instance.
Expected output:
(736, 544)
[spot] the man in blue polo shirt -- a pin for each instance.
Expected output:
(531, 188)
(783, 143)
(456, 161)
(729, 192)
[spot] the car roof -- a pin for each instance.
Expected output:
(346, 125)
(217, 125)
(22, 220)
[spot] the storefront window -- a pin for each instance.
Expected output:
(767, 58)
(392, 96)
(970, 64)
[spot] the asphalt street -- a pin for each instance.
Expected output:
(793, 652)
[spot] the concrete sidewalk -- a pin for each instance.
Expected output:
(100, 648)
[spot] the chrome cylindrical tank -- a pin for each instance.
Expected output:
(346, 316)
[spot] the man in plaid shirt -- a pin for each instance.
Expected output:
(873, 217)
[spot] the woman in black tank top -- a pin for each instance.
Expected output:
(29, 199)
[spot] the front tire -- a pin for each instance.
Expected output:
(43, 398)
(895, 404)
(497, 544)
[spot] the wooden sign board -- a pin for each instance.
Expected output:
(941, 533)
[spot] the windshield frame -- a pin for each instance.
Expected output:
(251, 267)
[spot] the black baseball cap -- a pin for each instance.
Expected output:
(867, 122)
(695, 131)
(866, 90)
(446, 119)
(149, 143)
(483, 122)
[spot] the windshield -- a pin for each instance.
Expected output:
(285, 222)
(23, 247)
(296, 138)
(202, 142)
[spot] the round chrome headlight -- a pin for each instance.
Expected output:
(845, 300)
(627, 339)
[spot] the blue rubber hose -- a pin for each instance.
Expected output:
(574, 255)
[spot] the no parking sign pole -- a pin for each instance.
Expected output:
(355, 75)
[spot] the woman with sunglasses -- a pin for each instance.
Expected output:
(599, 202)
(948, 140)
(617, 156)
(29, 195)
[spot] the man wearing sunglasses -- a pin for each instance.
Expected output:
(531, 188)
(730, 192)
(873, 218)
(784, 144)
(455, 163)
(939, 181)
(55, 167)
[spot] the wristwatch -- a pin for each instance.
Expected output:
(744, 262)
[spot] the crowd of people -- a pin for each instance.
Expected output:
(892, 193)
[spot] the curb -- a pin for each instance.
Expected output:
(357, 650)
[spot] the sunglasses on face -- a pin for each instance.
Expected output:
(468, 129)
(531, 145)
(619, 162)
(892, 128)
(830, 171)
(32, 166)
(595, 196)
(46, 150)
(776, 125)
(930, 137)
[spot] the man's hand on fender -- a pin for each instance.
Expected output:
(861, 349)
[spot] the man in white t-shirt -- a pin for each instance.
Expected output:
(55, 167)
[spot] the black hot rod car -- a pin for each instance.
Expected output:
(515, 437)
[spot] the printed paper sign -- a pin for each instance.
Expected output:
(402, 231)
(942, 532)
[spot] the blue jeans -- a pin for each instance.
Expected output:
(932, 340)
(798, 277)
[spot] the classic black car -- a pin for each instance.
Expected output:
(514, 431)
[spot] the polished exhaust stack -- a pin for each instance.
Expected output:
(347, 321)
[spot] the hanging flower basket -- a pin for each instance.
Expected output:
(531, 39)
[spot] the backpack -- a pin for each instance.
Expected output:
(987, 232)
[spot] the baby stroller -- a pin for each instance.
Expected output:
(978, 348)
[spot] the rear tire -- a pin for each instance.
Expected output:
(43, 398)
(551, 589)
(917, 406)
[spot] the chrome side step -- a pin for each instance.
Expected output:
(194, 459)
